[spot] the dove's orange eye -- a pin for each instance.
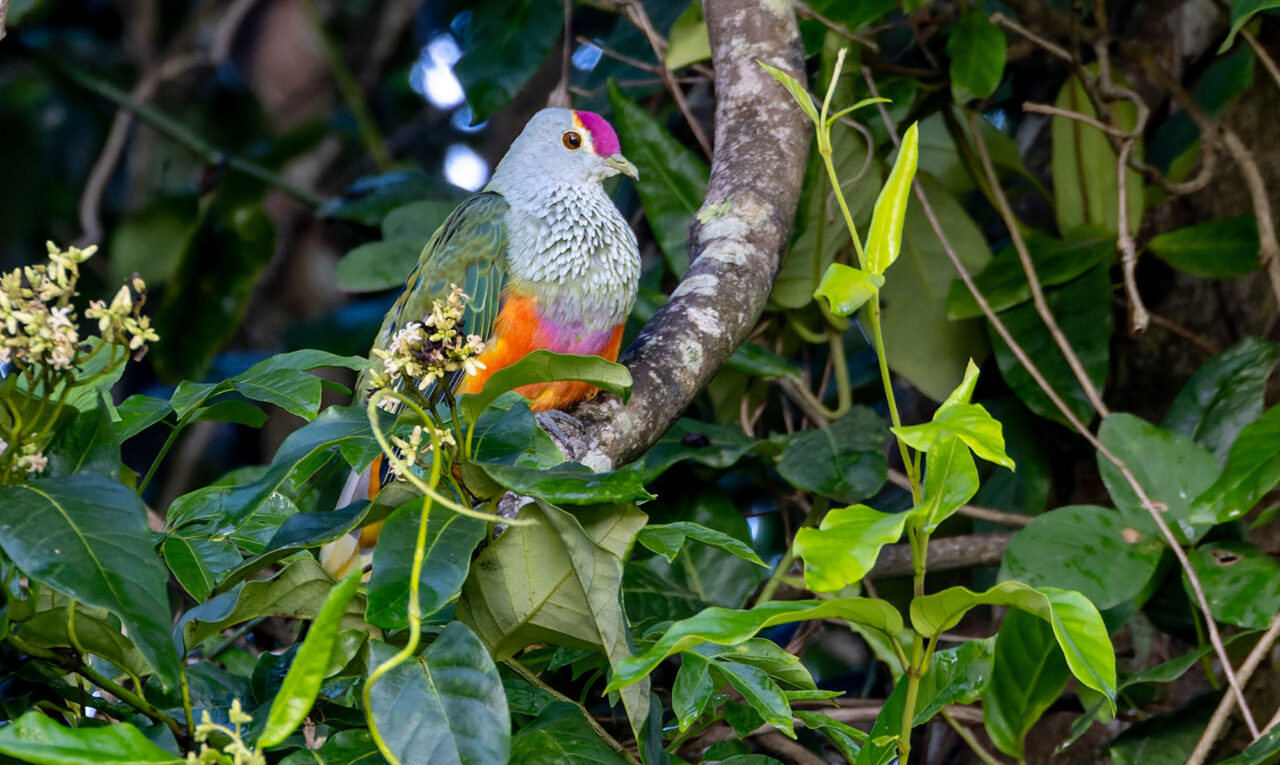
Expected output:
(572, 140)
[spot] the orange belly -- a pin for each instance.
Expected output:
(518, 332)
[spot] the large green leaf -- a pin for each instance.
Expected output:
(200, 563)
(760, 692)
(446, 705)
(571, 483)
(37, 739)
(1028, 675)
(727, 627)
(1075, 621)
(546, 366)
(1241, 12)
(922, 345)
(667, 539)
(673, 178)
(451, 538)
(1252, 470)
(1085, 548)
(1003, 283)
(557, 580)
(977, 51)
(1085, 187)
(1082, 309)
(94, 634)
(1172, 469)
(1224, 395)
(280, 380)
(844, 461)
(1216, 249)
(505, 42)
(561, 734)
(1241, 583)
(86, 536)
(845, 546)
(310, 666)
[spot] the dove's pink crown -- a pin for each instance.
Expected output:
(603, 139)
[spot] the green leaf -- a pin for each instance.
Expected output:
(416, 222)
(199, 564)
(150, 242)
(845, 738)
(844, 548)
(1252, 470)
(1172, 469)
(884, 238)
(451, 538)
(446, 705)
(37, 739)
(505, 43)
(760, 692)
(756, 360)
(977, 51)
(1259, 752)
(950, 480)
(1075, 621)
(1214, 250)
(86, 536)
(1163, 740)
(1224, 395)
(234, 411)
(796, 89)
(547, 366)
(94, 634)
(846, 288)
(844, 461)
(1082, 309)
(1241, 12)
(673, 178)
(727, 627)
(370, 199)
(1085, 187)
(1241, 583)
(667, 540)
(571, 483)
(692, 689)
(346, 747)
(688, 42)
(710, 444)
(280, 380)
(1029, 673)
(139, 412)
(561, 734)
(86, 444)
(1003, 283)
(310, 666)
(970, 423)
(377, 266)
(921, 343)
(1088, 549)
(557, 580)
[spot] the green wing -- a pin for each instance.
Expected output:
(469, 250)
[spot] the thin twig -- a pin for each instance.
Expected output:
(1139, 318)
(806, 10)
(1219, 719)
(1208, 347)
(963, 732)
(1268, 63)
(1033, 280)
(4, 11)
(1215, 637)
(787, 749)
(1088, 119)
(899, 479)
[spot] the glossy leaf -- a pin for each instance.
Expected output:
(1082, 308)
(844, 461)
(377, 266)
(451, 538)
(760, 692)
(668, 539)
(1241, 583)
(673, 178)
(1085, 187)
(310, 666)
(1075, 621)
(970, 423)
(1088, 549)
(1241, 12)
(846, 288)
(571, 483)
(884, 238)
(977, 51)
(692, 689)
(280, 380)
(546, 366)
(445, 705)
(1028, 674)
(845, 546)
(35, 738)
(505, 43)
(86, 536)
(756, 360)
(561, 734)
(199, 564)
(1252, 470)
(845, 738)
(1170, 468)
(139, 412)
(727, 627)
(1224, 395)
(1259, 752)
(950, 480)
(1214, 250)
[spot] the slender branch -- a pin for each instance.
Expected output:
(789, 750)
(1139, 318)
(1156, 513)
(963, 732)
(945, 554)
(1219, 719)
(806, 10)
(1268, 63)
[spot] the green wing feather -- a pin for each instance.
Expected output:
(469, 250)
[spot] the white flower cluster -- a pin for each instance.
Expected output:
(30, 461)
(414, 449)
(423, 352)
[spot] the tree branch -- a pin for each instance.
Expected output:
(736, 243)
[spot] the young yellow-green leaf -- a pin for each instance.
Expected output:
(302, 683)
(688, 42)
(884, 238)
(971, 423)
(727, 626)
(548, 366)
(846, 288)
(1076, 624)
(35, 738)
(844, 548)
(797, 90)
(964, 391)
(950, 480)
